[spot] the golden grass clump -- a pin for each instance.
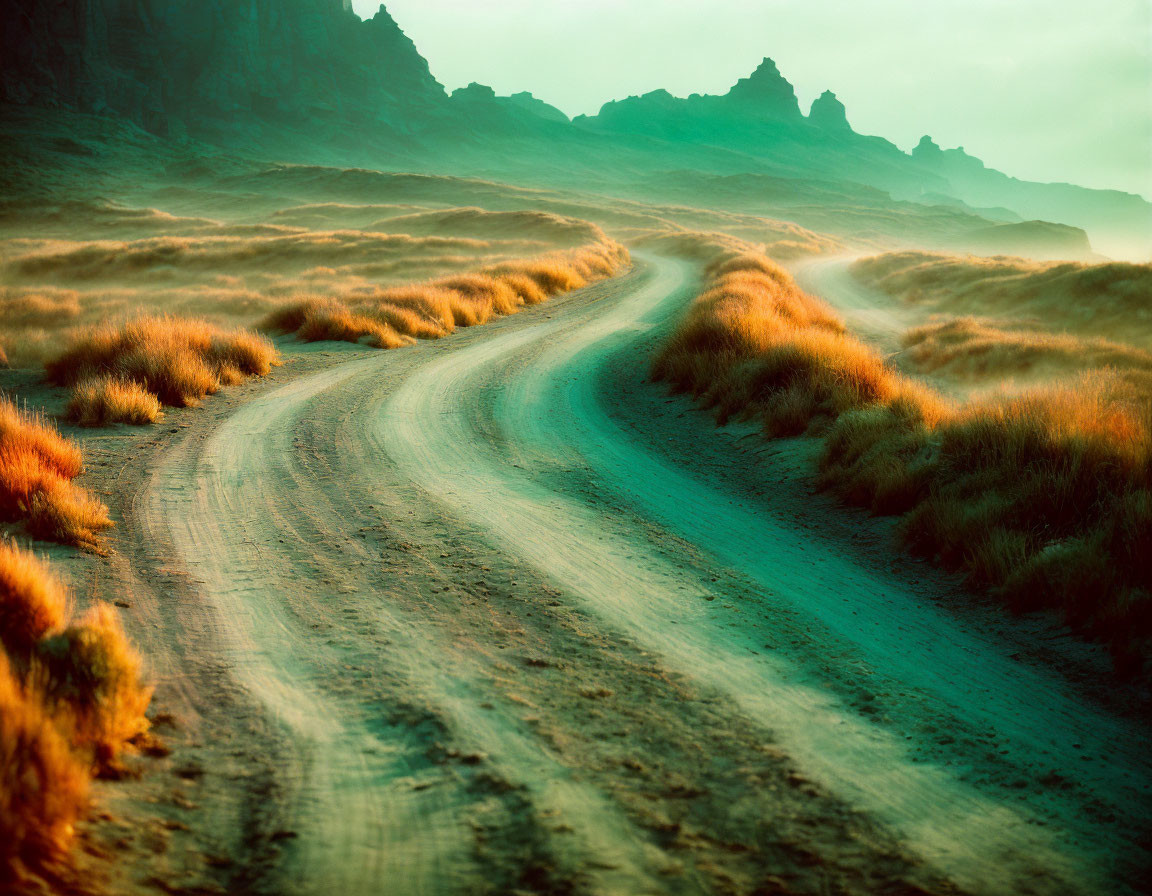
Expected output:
(86, 672)
(37, 466)
(71, 698)
(1109, 299)
(391, 317)
(319, 320)
(974, 348)
(101, 401)
(179, 360)
(43, 783)
(754, 343)
(95, 674)
(33, 602)
(1044, 496)
(738, 234)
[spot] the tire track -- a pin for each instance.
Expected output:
(549, 409)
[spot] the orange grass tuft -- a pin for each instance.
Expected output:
(974, 348)
(33, 603)
(68, 707)
(1109, 299)
(37, 466)
(179, 360)
(395, 316)
(95, 674)
(318, 320)
(43, 783)
(103, 400)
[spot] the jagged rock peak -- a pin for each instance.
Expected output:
(767, 88)
(926, 148)
(474, 91)
(828, 112)
(525, 100)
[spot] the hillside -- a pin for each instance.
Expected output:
(308, 80)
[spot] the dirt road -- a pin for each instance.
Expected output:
(505, 617)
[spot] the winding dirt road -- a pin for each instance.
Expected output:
(520, 622)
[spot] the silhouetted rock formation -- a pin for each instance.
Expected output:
(767, 92)
(526, 100)
(182, 63)
(829, 113)
(481, 116)
(759, 118)
(307, 79)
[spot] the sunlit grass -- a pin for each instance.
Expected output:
(1105, 299)
(395, 316)
(100, 401)
(37, 469)
(72, 698)
(177, 360)
(43, 782)
(1043, 496)
(971, 348)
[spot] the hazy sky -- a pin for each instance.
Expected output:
(1042, 89)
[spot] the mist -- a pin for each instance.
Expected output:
(1001, 80)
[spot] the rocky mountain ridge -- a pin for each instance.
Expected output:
(171, 65)
(309, 80)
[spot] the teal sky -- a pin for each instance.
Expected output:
(1042, 89)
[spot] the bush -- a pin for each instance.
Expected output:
(1107, 299)
(71, 698)
(43, 784)
(1044, 497)
(101, 401)
(37, 466)
(393, 317)
(971, 348)
(33, 603)
(179, 360)
(94, 675)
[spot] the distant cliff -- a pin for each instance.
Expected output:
(169, 64)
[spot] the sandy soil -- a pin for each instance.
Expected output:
(494, 614)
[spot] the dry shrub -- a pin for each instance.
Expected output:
(43, 783)
(1045, 496)
(71, 698)
(973, 348)
(60, 511)
(319, 320)
(86, 671)
(737, 234)
(392, 317)
(101, 401)
(33, 602)
(479, 223)
(233, 249)
(179, 360)
(23, 432)
(48, 307)
(93, 672)
(1104, 299)
(37, 466)
(754, 343)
